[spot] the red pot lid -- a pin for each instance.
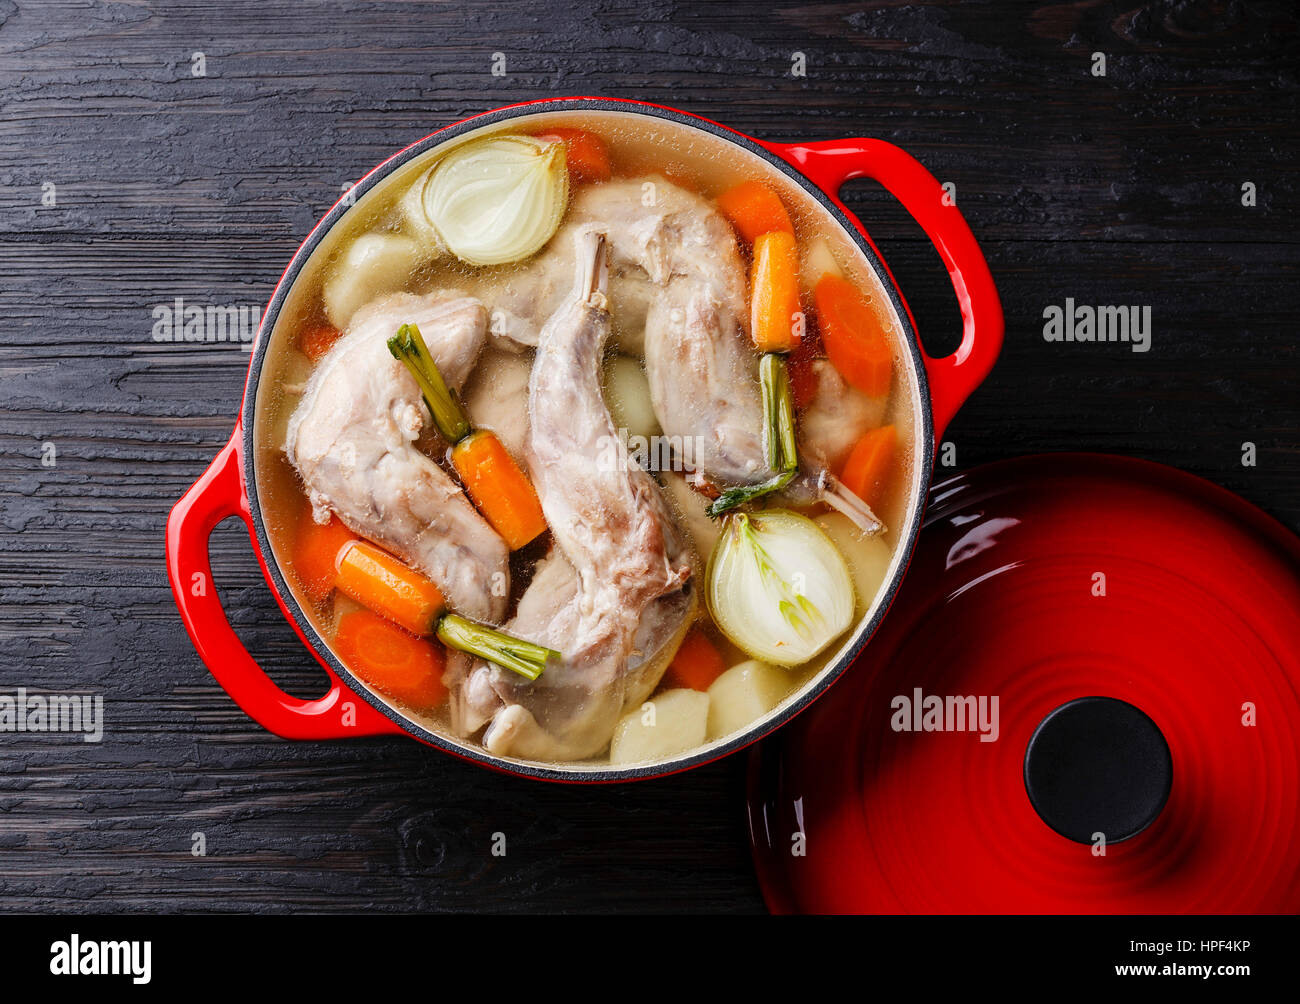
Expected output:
(1139, 625)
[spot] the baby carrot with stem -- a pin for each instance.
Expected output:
(493, 480)
(404, 598)
(776, 324)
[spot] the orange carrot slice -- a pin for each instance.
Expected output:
(851, 332)
(775, 313)
(697, 663)
(500, 490)
(315, 554)
(318, 340)
(376, 579)
(585, 152)
(754, 209)
(391, 660)
(867, 469)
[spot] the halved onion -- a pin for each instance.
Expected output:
(778, 587)
(499, 199)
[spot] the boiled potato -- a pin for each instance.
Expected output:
(744, 694)
(375, 264)
(672, 723)
(818, 260)
(627, 393)
(868, 558)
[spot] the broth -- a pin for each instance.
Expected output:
(638, 146)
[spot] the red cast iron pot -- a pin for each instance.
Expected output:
(348, 708)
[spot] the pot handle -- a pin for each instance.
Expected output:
(219, 493)
(830, 164)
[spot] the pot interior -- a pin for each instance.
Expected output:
(643, 143)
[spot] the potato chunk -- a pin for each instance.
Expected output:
(627, 394)
(744, 694)
(818, 260)
(672, 723)
(375, 264)
(868, 558)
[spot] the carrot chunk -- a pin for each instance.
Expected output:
(318, 340)
(585, 152)
(776, 317)
(500, 490)
(697, 663)
(391, 660)
(315, 554)
(866, 471)
(850, 331)
(376, 579)
(754, 209)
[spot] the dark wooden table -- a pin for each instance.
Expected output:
(1122, 189)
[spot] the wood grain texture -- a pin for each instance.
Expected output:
(1117, 190)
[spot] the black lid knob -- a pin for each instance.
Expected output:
(1098, 765)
